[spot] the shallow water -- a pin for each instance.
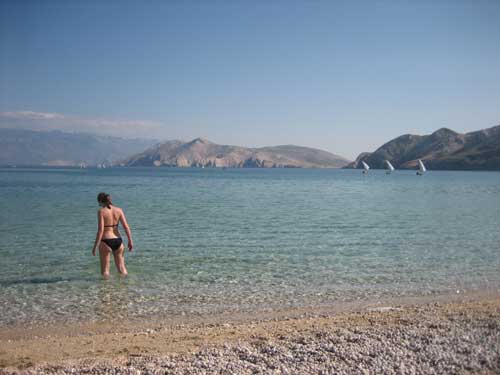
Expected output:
(211, 240)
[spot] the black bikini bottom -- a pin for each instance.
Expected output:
(113, 243)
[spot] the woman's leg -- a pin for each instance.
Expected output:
(120, 261)
(105, 256)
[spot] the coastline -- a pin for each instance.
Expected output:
(338, 334)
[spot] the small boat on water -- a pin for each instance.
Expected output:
(421, 168)
(366, 167)
(390, 167)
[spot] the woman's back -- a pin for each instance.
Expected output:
(111, 217)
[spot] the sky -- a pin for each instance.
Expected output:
(343, 76)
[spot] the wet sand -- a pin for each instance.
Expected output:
(442, 334)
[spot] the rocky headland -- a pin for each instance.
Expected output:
(200, 152)
(443, 149)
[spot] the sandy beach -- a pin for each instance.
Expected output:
(442, 335)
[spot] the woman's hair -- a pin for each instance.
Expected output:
(104, 199)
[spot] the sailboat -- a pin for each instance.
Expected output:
(390, 168)
(421, 168)
(366, 167)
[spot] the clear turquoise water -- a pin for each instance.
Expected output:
(242, 239)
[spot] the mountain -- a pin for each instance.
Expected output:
(28, 147)
(200, 152)
(443, 149)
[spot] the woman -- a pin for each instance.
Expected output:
(108, 237)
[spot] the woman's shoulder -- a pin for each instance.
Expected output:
(118, 209)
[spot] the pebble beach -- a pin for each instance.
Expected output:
(249, 187)
(459, 336)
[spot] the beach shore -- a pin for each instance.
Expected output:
(442, 334)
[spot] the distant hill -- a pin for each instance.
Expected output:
(443, 149)
(28, 147)
(202, 153)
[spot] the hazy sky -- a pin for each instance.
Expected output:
(341, 76)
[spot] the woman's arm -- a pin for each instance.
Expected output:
(100, 229)
(123, 220)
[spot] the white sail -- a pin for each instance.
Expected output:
(366, 167)
(421, 166)
(389, 165)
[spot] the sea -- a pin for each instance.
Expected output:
(242, 240)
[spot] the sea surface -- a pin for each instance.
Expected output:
(213, 240)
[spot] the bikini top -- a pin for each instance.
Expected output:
(112, 225)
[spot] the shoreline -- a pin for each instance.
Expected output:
(28, 328)
(185, 337)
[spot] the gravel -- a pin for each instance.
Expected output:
(428, 342)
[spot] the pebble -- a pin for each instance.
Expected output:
(428, 343)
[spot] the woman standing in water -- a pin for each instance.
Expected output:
(108, 238)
